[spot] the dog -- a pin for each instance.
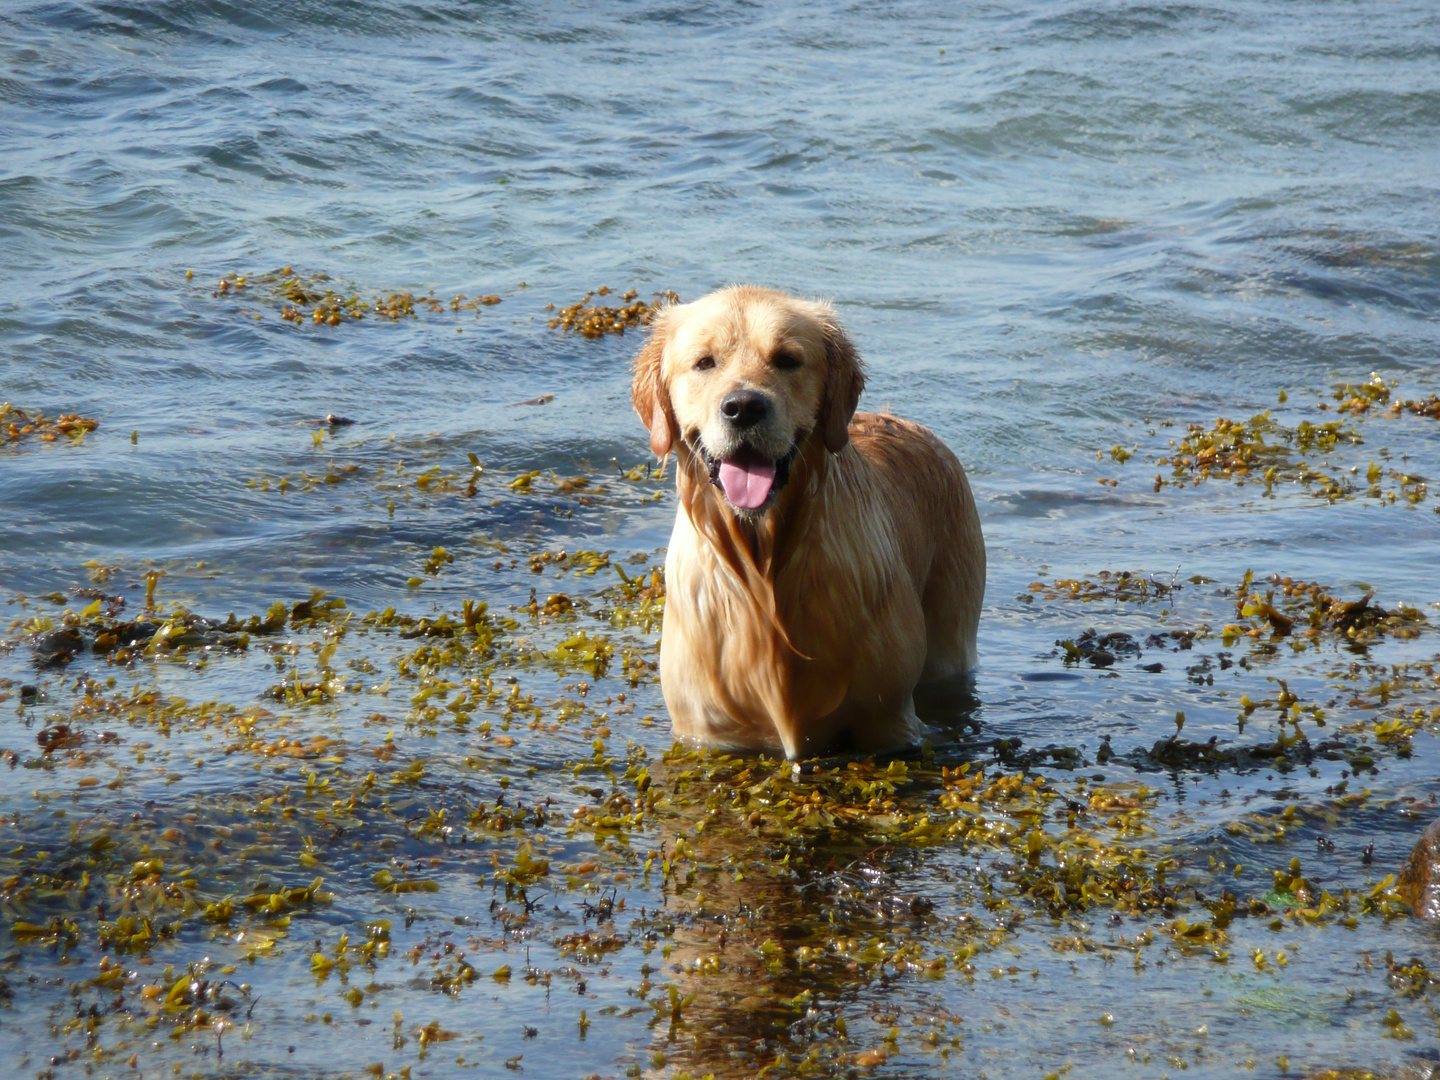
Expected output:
(824, 562)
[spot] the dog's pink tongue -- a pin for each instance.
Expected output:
(747, 485)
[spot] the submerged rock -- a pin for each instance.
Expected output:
(1419, 883)
(58, 647)
(1099, 650)
(125, 635)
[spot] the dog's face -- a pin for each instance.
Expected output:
(743, 377)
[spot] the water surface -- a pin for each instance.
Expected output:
(1057, 232)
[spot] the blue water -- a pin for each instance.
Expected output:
(1050, 229)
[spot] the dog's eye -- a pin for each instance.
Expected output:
(705, 363)
(787, 361)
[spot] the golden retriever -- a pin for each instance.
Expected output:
(824, 562)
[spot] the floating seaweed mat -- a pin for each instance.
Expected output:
(17, 424)
(596, 320)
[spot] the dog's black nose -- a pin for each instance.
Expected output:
(745, 408)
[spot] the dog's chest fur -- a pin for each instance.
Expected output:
(741, 668)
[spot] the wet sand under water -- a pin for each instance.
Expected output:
(336, 749)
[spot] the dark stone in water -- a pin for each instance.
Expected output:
(1098, 650)
(1419, 883)
(58, 646)
(1117, 643)
(1180, 639)
(125, 635)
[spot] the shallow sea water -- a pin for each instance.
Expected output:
(1057, 232)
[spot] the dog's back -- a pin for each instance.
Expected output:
(939, 526)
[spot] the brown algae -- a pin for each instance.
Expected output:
(596, 320)
(1315, 457)
(777, 890)
(17, 425)
(451, 826)
(315, 297)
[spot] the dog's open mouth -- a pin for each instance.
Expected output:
(748, 478)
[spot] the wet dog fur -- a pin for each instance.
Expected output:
(824, 562)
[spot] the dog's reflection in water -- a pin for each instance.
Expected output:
(790, 898)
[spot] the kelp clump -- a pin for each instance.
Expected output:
(314, 295)
(1309, 610)
(17, 425)
(1377, 392)
(596, 320)
(1131, 586)
(1238, 448)
(1263, 450)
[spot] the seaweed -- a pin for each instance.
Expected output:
(226, 828)
(596, 320)
(315, 295)
(17, 425)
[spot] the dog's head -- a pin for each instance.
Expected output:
(743, 377)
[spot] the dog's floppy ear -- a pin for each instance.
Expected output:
(648, 391)
(844, 380)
